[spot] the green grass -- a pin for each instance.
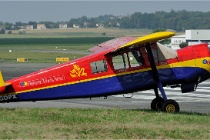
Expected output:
(55, 41)
(46, 50)
(71, 33)
(101, 124)
(37, 45)
(41, 53)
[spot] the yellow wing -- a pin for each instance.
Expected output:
(149, 38)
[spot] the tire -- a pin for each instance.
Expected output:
(170, 106)
(157, 103)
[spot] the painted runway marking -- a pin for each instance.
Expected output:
(202, 94)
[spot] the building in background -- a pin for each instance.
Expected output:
(191, 37)
(29, 27)
(41, 26)
(63, 26)
(176, 41)
(75, 26)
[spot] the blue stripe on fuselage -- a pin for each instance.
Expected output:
(115, 84)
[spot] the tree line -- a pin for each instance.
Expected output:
(175, 20)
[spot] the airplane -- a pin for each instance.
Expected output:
(118, 66)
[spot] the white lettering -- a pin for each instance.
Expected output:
(46, 80)
(8, 97)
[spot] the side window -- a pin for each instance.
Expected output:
(135, 58)
(120, 61)
(155, 55)
(98, 66)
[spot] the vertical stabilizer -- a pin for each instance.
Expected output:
(2, 85)
(1, 80)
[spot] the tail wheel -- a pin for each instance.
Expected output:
(170, 106)
(157, 103)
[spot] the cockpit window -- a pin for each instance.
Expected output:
(98, 66)
(165, 53)
(120, 61)
(155, 55)
(135, 58)
(129, 59)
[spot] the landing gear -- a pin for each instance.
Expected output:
(160, 103)
(169, 106)
(157, 104)
(163, 104)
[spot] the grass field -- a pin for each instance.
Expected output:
(45, 45)
(101, 124)
(69, 33)
(41, 53)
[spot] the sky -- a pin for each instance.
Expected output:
(50, 10)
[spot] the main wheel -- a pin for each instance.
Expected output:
(157, 103)
(170, 106)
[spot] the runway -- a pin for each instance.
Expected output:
(198, 101)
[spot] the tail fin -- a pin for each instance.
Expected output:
(1, 80)
(2, 84)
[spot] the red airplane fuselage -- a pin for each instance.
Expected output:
(108, 72)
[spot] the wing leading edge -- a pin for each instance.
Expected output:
(148, 38)
(123, 42)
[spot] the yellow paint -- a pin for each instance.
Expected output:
(1, 80)
(22, 59)
(77, 72)
(149, 38)
(62, 59)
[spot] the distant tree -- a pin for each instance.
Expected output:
(19, 23)
(125, 23)
(7, 26)
(183, 44)
(103, 34)
(9, 32)
(158, 30)
(49, 24)
(21, 32)
(72, 22)
(176, 20)
(2, 31)
(1, 23)
(33, 23)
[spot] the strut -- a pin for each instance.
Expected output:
(155, 72)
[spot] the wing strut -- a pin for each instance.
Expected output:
(155, 73)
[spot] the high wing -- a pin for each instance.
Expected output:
(164, 52)
(124, 42)
(148, 38)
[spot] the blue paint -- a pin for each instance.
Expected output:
(162, 91)
(116, 85)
